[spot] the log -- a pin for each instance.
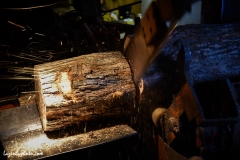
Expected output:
(83, 88)
(215, 51)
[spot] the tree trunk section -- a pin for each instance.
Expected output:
(83, 88)
(215, 51)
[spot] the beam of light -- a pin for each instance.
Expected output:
(65, 84)
(4, 45)
(15, 24)
(29, 55)
(7, 62)
(15, 77)
(45, 51)
(60, 52)
(39, 34)
(32, 59)
(20, 70)
(31, 92)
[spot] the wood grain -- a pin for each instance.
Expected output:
(83, 88)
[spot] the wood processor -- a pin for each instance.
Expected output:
(104, 78)
(169, 93)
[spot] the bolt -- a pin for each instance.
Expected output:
(173, 126)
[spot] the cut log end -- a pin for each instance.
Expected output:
(84, 88)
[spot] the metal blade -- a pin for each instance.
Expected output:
(18, 120)
(40, 146)
(157, 23)
(22, 136)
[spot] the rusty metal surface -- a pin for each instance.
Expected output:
(36, 144)
(211, 102)
(18, 120)
(166, 152)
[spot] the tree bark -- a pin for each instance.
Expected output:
(83, 88)
(215, 51)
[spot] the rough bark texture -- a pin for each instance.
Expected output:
(215, 51)
(83, 88)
